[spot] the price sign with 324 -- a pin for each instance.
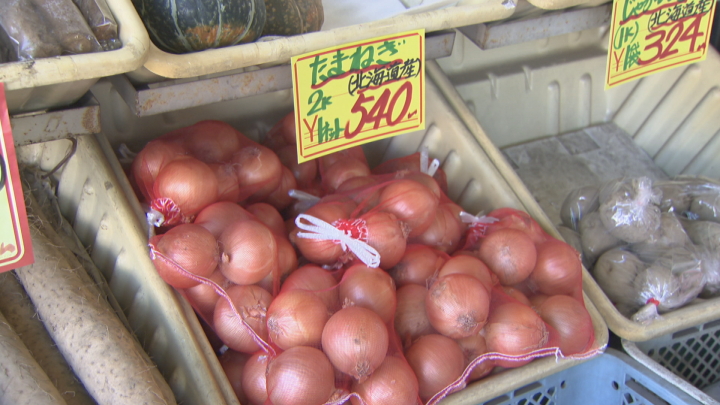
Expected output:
(358, 93)
(649, 36)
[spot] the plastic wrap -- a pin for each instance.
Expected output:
(27, 35)
(696, 197)
(101, 21)
(629, 208)
(68, 25)
(706, 236)
(571, 237)
(579, 202)
(595, 238)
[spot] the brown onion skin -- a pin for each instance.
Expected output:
(369, 288)
(254, 380)
(279, 197)
(571, 320)
(193, 248)
(419, 265)
(251, 302)
(301, 375)
(387, 235)
(473, 347)
(258, 169)
(249, 252)
(363, 190)
(515, 329)
(558, 269)
(445, 231)
(204, 298)
(411, 202)
(287, 263)
(343, 170)
(268, 215)
(356, 153)
(305, 173)
(472, 266)
(233, 364)
(517, 295)
(510, 254)
(296, 318)
(437, 361)
(189, 183)
(151, 159)
(314, 278)
(411, 320)
(211, 145)
(457, 305)
(356, 341)
(394, 382)
(217, 216)
(228, 189)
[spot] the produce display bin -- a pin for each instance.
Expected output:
(613, 378)
(520, 93)
(59, 81)
(474, 182)
(688, 359)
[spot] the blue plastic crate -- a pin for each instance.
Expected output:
(612, 378)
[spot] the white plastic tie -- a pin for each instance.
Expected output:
(155, 218)
(321, 230)
(476, 219)
(426, 166)
(302, 196)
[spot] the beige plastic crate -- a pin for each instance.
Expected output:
(543, 88)
(59, 81)
(474, 183)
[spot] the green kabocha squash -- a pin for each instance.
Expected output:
(293, 17)
(181, 26)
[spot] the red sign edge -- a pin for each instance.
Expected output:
(16, 192)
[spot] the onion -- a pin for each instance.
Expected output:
(558, 269)
(233, 364)
(411, 202)
(249, 252)
(251, 302)
(316, 279)
(411, 320)
(301, 375)
(342, 170)
(228, 188)
(514, 329)
(356, 341)
(254, 380)
(268, 215)
(517, 295)
(387, 235)
(368, 288)
(287, 263)
(457, 305)
(282, 133)
(445, 231)
(305, 173)
(258, 170)
(572, 321)
(473, 347)
(151, 159)
(317, 250)
(510, 254)
(424, 179)
(437, 362)
(362, 189)
(394, 382)
(189, 183)
(280, 197)
(518, 220)
(211, 141)
(472, 266)
(204, 298)
(537, 300)
(217, 216)
(193, 248)
(296, 318)
(418, 265)
(356, 152)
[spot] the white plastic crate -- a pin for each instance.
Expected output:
(60, 81)
(474, 183)
(613, 378)
(529, 91)
(689, 359)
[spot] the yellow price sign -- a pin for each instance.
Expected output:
(359, 92)
(15, 241)
(649, 36)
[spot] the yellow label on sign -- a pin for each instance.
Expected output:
(649, 36)
(15, 242)
(357, 93)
